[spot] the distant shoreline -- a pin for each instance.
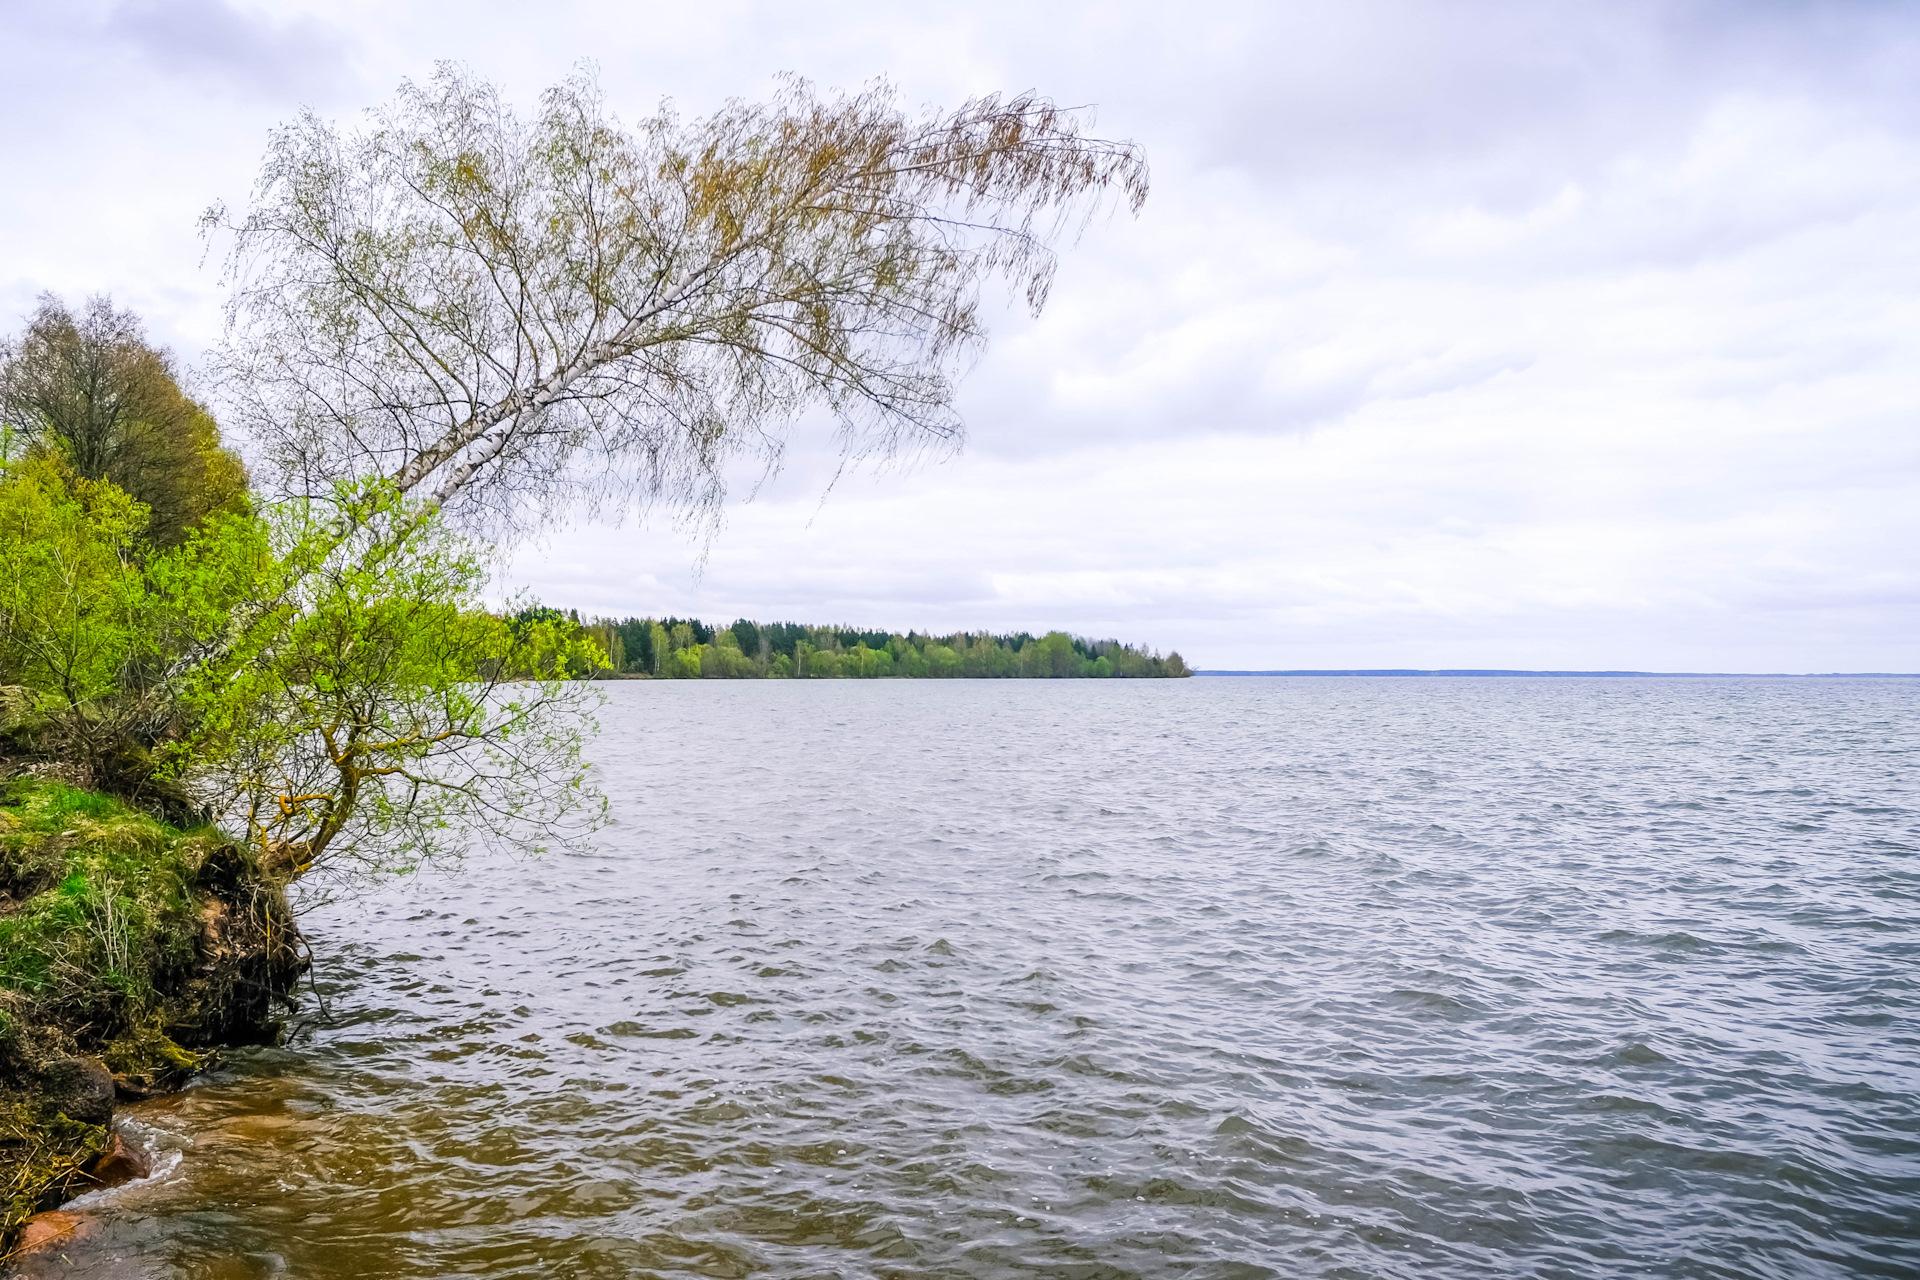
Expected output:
(1663, 675)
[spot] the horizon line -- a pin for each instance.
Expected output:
(1497, 671)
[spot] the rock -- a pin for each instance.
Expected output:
(45, 1231)
(81, 1088)
(131, 1088)
(119, 1163)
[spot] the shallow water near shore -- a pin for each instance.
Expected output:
(1206, 978)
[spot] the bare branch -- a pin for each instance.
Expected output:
(513, 315)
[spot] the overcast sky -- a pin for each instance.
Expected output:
(1514, 335)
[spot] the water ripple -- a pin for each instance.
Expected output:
(1217, 978)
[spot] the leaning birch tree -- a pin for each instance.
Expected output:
(505, 315)
(457, 320)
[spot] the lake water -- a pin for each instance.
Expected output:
(1205, 978)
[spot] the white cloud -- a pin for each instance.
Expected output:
(1546, 335)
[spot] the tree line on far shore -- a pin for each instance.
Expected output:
(689, 649)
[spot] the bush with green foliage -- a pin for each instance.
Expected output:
(325, 680)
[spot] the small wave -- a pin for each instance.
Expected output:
(641, 1031)
(1636, 1054)
(1432, 1002)
(164, 1149)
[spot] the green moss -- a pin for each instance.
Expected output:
(120, 937)
(104, 898)
(45, 1163)
(99, 921)
(146, 1060)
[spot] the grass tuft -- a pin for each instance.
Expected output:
(125, 939)
(47, 1163)
(103, 904)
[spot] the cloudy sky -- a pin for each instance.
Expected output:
(1523, 335)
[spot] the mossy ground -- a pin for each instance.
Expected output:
(123, 939)
(99, 907)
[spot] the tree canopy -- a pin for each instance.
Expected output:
(344, 701)
(504, 314)
(92, 390)
(686, 649)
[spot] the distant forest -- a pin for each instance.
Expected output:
(689, 649)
